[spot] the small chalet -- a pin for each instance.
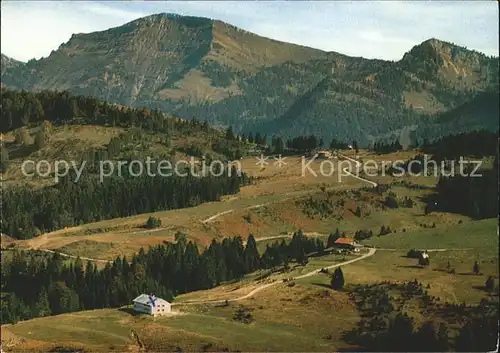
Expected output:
(345, 243)
(149, 304)
(324, 154)
(423, 258)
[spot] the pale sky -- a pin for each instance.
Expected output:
(383, 30)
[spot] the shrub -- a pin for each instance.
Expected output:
(362, 234)
(475, 268)
(180, 237)
(47, 127)
(414, 254)
(114, 147)
(192, 150)
(337, 281)
(4, 158)
(424, 261)
(243, 315)
(385, 230)
(23, 136)
(153, 222)
(391, 201)
(380, 188)
(40, 139)
(408, 202)
(490, 284)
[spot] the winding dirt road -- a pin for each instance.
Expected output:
(267, 285)
(345, 170)
(73, 256)
(358, 164)
(269, 238)
(217, 215)
(111, 261)
(429, 250)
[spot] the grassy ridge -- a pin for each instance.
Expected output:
(480, 235)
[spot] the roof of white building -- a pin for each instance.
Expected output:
(148, 299)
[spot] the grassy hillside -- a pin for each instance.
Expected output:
(122, 154)
(277, 202)
(57, 126)
(298, 316)
(459, 245)
(478, 236)
(296, 329)
(71, 142)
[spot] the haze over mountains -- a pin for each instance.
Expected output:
(200, 68)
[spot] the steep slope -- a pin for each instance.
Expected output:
(13, 71)
(448, 63)
(206, 69)
(128, 63)
(481, 113)
(155, 57)
(9, 63)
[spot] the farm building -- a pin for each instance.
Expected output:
(345, 243)
(324, 154)
(149, 304)
(423, 258)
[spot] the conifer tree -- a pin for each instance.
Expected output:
(475, 268)
(40, 139)
(337, 281)
(229, 133)
(251, 255)
(4, 158)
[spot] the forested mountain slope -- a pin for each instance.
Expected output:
(480, 113)
(132, 135)
(206, 69)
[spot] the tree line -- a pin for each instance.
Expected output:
(386, 327)
(452, 147)
(386, 147)
(20, 108)
(478, 334)
(475, 197)
(58, 286)
(278, 144)
(27, 212)
(304, 143)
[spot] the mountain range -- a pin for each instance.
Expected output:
(194, 67)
